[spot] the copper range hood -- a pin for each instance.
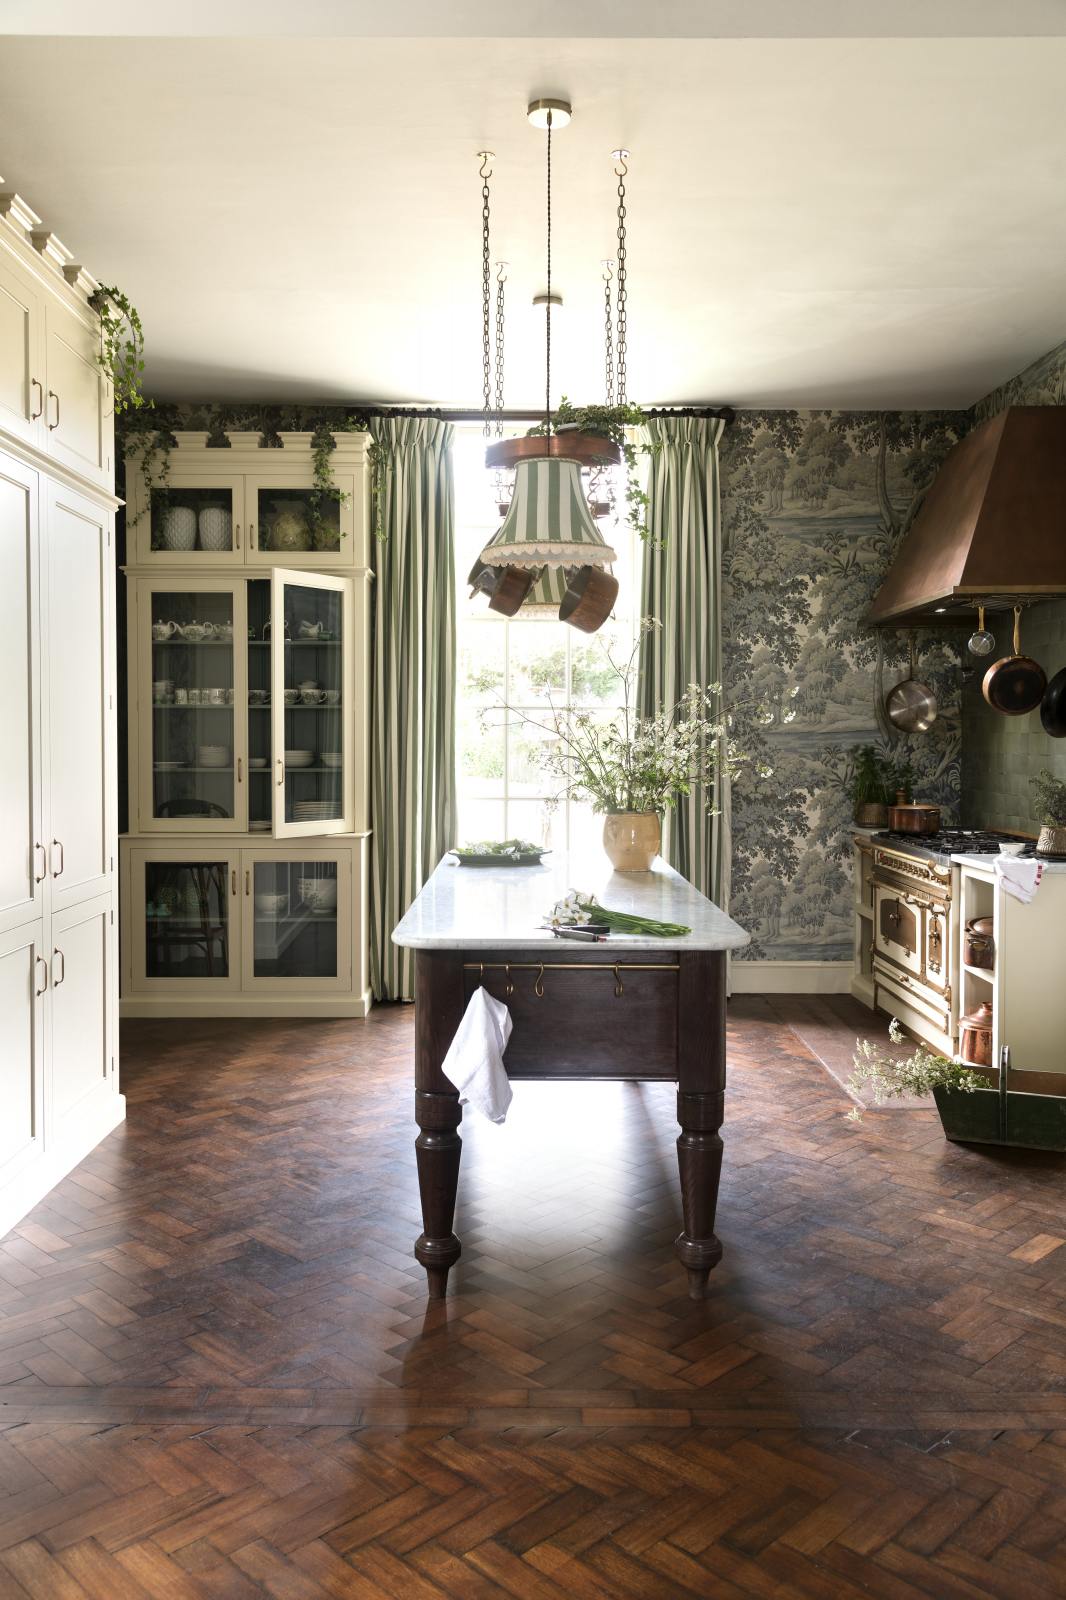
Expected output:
(992, 528)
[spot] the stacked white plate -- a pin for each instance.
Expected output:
(314, 811)
(299, 758)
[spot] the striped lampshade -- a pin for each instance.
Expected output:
(548, 523)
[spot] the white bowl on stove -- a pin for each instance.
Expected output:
(1012, 847)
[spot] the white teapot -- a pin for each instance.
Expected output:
(311, 630)
(164, 630)
(195, 631)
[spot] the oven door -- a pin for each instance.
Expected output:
(899, 928)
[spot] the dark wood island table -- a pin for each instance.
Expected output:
(633, 1008)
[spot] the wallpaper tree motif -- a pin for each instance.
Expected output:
(814, 506)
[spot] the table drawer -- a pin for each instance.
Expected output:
(579, 1026)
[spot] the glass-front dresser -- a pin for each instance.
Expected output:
(244, 869)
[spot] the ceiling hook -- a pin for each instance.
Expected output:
(620, 156)
(499, 271)
(486, 157)
(609, 274)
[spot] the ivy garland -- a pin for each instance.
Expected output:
(121, 354)
(611, 422)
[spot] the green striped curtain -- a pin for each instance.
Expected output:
(412, 744)
(682, 587)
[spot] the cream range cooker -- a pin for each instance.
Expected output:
(915, 938)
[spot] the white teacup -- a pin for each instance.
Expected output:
(333, 697)
(312, 697)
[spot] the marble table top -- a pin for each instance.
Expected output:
(493, 908)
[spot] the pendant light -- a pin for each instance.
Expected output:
(548, 538)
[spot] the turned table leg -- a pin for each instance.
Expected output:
(700, 1107)
(438, 1147)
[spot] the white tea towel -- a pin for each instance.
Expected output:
(1019, 877)
(474, 1062)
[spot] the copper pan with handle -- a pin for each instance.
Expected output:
(1015, 684)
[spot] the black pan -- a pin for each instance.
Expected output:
(1015, 684)
(1053, 706)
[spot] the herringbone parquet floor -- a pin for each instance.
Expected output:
(220, 1375)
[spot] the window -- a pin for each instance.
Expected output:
(530, 662)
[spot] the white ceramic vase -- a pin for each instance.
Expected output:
(216, 526)
(179, 528)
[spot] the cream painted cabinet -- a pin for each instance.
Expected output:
(22, 387)
(82, 981)
(23, 988)
(258, 930)
(249, 507)
(58, 835)
(23, 854)
(80, 681)
(77, 411)
(245, 706)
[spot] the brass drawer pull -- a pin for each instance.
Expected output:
(52, 426)
(62, 967)
(35, 383)
(41, 962)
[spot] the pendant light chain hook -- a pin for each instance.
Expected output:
(548, 307)
(501, 279)
(485, 173)
(620, 158)
(608, 334)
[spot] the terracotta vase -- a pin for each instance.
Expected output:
(1052, 841)
(631, 839)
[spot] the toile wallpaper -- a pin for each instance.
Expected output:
(814, 504)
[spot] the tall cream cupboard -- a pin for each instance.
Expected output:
(59, 1092)
(244, 872)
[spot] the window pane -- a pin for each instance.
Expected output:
(525, 663)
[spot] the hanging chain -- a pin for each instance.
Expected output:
(500, 281)
(621, 156)
(608, 335)
(486, 358)
(548, 307)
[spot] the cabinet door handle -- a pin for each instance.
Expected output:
(248, 883)
(239, 763)
(39, 877)
(57, 872)
(281, 771)
(237, 535)
(35, 383)
(41, 962)
(251, 535)
(52, 426)
(233, 880)
(62, 967)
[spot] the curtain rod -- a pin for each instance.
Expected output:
(445, 414)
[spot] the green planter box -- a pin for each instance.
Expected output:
(993, 1116)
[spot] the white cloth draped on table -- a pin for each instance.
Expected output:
(474, 1062)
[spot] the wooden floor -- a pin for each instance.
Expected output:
(220, 1375)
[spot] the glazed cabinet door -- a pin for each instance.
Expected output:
(81, 1053)
(288, 520)
(23, 985)
(23, 860)
(196, 520)
(79, 681)
(298, 921)
(312, 696)
(21, 355)
(182, 920)
(78, 417)
(191, 686)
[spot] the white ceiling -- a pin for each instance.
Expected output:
(814, 220)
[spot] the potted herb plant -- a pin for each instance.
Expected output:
(1051, 803)
(632, 767)
(870, 793)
